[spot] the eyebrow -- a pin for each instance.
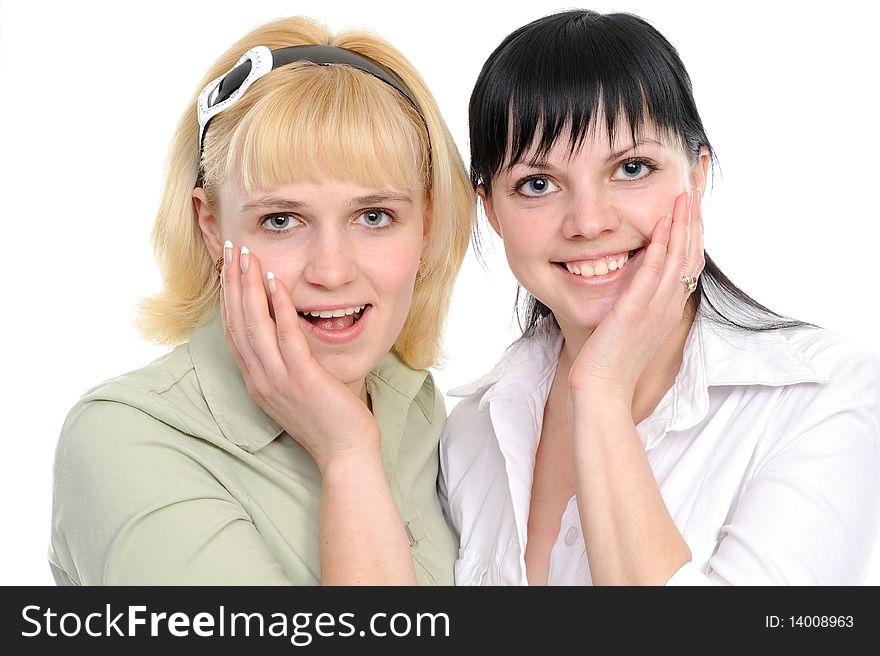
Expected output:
(543, 163)
(381, 197)
(277, 202)
(640, 142)
(273, 202)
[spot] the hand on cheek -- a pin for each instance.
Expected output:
(614, 357)
(278, 368)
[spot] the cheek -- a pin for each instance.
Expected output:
(529, 234)
(642, 209)
(286, 268)
(391, 267)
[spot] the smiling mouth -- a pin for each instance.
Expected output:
(339, 319)
(600, 267)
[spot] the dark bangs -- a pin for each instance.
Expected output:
(554, 76)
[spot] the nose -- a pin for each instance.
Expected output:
(330, 260)
(589, 215)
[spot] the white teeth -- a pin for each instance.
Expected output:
(341, 312)
(599, 267)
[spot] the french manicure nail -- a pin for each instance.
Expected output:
(227, 252)
(244, 258)
(270, 278)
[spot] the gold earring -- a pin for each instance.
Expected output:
(420, 272)
(218, 266)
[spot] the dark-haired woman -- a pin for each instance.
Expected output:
(654, 425)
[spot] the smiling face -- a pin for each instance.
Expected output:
(348, 254)
(575, 225)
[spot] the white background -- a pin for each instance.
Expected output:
(90, 93)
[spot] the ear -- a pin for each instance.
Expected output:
(489, 210)
(208, 223)
(700, 172)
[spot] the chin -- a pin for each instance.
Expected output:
(588, 316)
(346, 367)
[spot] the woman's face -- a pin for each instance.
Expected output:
(337, 246)
(575, 226)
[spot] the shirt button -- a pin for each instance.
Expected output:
(571, 536)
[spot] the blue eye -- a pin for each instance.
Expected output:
(278, 222)
(536, 186)
(634, 169)
(375, 218)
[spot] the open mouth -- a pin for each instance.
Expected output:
(600, 267)
(338, 319)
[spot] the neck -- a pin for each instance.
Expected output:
(659, 373)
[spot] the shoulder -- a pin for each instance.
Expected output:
(839, 411)
(166, 391)
(157, 378)
(132, 413)
(844, 362)
(126, 451)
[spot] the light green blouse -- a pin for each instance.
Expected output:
(172, 475)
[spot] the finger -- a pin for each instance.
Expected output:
(258, 323)
(677, 257)
(233, 349)
(696, 255)
(292, 341)
(647, 278)
(235, 322)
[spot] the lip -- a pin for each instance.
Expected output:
(328, 308)
(599, 256)
(610, 278)
(337, 336)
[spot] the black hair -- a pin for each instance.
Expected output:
(552, 77)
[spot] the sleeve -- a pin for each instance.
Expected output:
(132, 505)
(810, 514)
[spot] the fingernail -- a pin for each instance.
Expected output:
(690, 197)
(227, 252)
(668, 220)
(270, 278)
(244, 258)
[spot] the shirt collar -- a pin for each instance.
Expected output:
(715, 354)
(393, 388)
(525, 367)
(238, 416)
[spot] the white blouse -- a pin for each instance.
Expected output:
(766, 450)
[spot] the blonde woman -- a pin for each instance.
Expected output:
(314, 216)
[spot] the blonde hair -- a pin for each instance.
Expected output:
(362, 128)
